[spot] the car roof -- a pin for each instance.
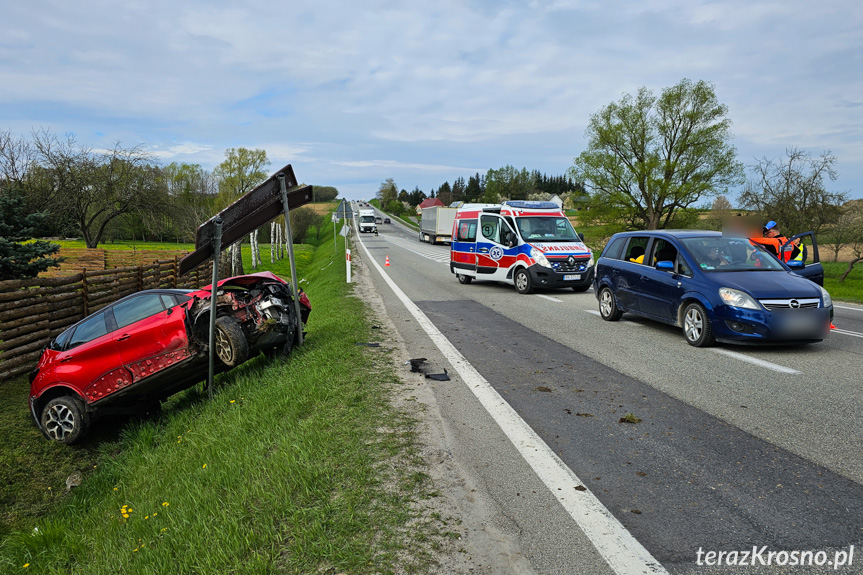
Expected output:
(673, 233)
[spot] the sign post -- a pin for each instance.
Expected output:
(290, 238)
(214, 290)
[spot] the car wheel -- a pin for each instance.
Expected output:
(696, 326)
(64, 419)
(608, 309)
(580, 289)
(463, 279)
(522, 281)
(232, 348)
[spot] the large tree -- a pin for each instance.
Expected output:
(791, 191)
(94, 188)
(649, 157)
(240, 172)
(388, 192)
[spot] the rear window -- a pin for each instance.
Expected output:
(466, 231)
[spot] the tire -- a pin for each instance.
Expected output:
(522, 281)
(608, 309)
(463, 279)
(232, 348)
(421, 237)
(580, 289)
(696, 326)
(64, 419)
(432, 239)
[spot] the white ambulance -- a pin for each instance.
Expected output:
(526, 244)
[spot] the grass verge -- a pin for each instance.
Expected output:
(299, 465)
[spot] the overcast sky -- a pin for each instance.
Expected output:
(353, 93)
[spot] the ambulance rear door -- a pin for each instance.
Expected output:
(463, 247)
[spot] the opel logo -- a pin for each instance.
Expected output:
(794, 304)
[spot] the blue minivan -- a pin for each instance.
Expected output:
(713, 286)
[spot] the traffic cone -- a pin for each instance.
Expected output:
(388, 261)
(832, 326)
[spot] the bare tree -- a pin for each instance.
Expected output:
(17, 159)
(792, 192)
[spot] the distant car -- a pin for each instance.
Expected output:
(715, 288)
(386, 220)
(147, 346)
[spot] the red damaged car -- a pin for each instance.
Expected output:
(136, 352)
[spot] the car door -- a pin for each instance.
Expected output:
(89, 361)
(809, 266)
(150, 331)
(463, 249)
(660, 290)
(494, 258)
(630, 270)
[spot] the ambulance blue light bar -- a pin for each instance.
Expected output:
(526, 205)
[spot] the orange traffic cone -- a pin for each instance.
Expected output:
(388, 261)
(832, 326)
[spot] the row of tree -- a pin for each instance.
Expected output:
(55, 187)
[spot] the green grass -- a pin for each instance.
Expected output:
(850, 290)
(298, 465)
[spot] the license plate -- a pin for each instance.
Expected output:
(571, 277)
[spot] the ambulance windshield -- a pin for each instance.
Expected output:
(546, 229)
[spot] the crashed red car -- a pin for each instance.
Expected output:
(134, 353)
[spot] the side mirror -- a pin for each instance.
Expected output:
(581, 236)
(795, 264)
(665, 266)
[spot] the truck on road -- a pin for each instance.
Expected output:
(367, 221)
(436, 224)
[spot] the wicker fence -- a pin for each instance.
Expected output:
(32, 311)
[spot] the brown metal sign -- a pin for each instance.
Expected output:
(248, 213)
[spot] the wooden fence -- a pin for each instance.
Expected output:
(32, 311)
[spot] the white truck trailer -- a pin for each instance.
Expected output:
(436, 224)
(367, 221)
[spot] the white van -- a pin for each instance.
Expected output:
(525, 244)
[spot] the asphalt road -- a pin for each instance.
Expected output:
(737, 446)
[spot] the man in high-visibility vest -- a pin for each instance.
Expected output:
(773, 240)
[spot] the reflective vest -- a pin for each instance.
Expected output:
(774, 246)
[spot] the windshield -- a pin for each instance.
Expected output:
(546, 229)
(730, 255)
(367, 219)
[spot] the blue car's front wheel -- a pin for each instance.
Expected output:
(696, 326)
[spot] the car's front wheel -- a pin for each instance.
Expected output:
(64, 419)
(696, 326)
(607, 306)
(232, 348)
(463, 279)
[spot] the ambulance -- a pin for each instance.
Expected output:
(522, 243)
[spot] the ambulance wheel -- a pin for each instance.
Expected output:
(462, 279)
(522, 281)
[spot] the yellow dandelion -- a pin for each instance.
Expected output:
(178, 441)
(26, 565)
(146, 516)
(134, 550)
(233, 400)
(125, 515)
(154, 514)
(130, 510)
(204, 467)
(115, 489)
(165, 504)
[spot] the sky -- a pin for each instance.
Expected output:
(353, 93)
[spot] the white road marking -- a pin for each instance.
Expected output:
(754, 361)
(597, 314)
(846, 332)
(623, 553)
(548, 297)
(442, 257)
(848, 307)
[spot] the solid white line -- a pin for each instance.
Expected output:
(846, 332)
(548, 297)
(848, 307)
(758, 362)
(624, 554)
